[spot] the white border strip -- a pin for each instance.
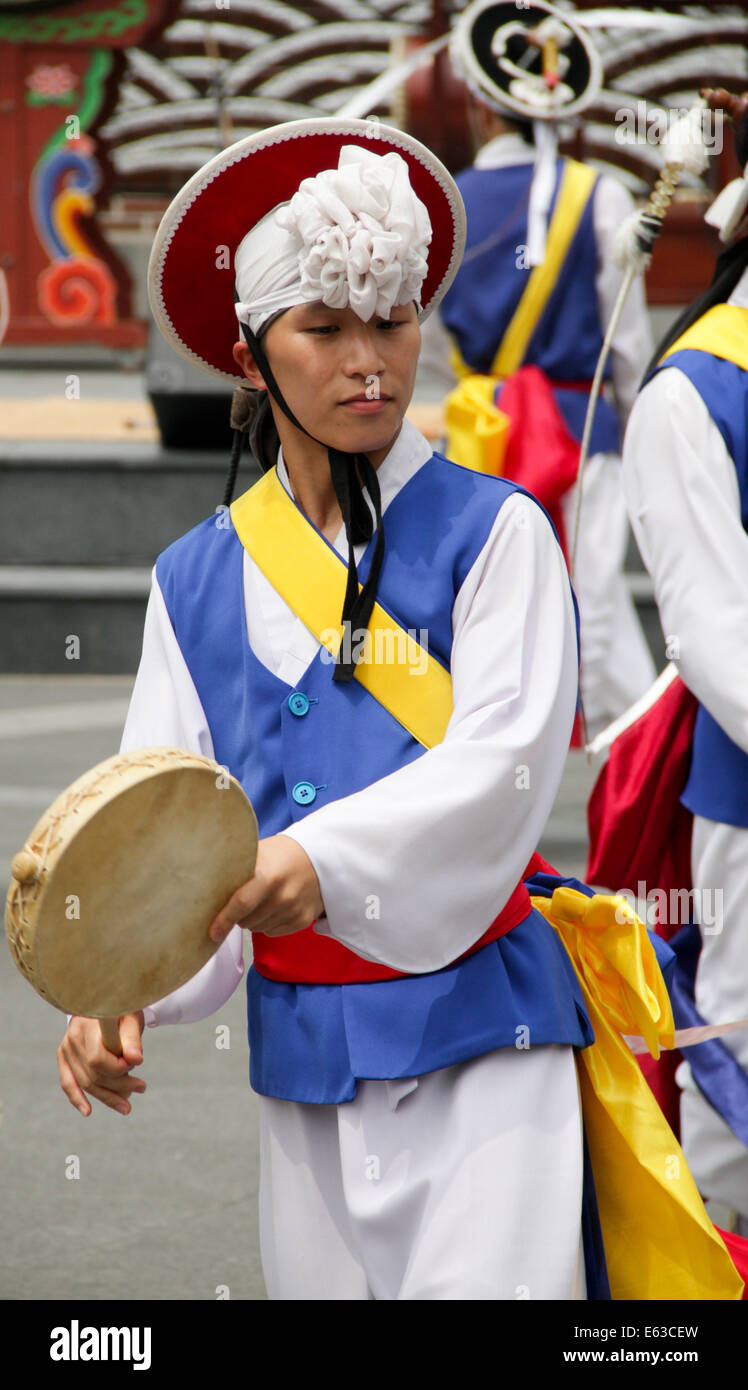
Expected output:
(624, 721)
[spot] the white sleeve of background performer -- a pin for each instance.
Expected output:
(632, 342)
(683, 500)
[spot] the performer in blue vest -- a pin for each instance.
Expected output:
(686, 483)
(381, 646)
(421, 1130)
(532, 213)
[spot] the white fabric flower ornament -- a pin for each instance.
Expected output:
(361, 234)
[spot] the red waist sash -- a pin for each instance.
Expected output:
(306, 958)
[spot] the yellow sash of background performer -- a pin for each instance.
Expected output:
(659, 1241)
(721, 331)
(476, 429)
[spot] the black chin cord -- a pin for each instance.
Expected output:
(357, 605)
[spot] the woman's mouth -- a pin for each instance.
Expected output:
(366, 405)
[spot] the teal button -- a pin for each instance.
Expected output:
(304, 793)
(298, 704)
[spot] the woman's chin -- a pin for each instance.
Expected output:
(368, 436)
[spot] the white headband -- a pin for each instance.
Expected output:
(356, 236)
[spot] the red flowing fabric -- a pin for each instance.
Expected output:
(541, 454)
(737, 1248)
(640, 833)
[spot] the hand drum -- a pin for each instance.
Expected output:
(113, 893)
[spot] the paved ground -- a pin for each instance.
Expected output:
(165, 1204)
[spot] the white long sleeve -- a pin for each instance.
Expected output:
(683, 500)
(165, 711)
(414, 868)
(164, 706)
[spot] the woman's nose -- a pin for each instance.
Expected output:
(363, 356)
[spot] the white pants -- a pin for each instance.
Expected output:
(463, 1184)
(719, 860)
(617, 666)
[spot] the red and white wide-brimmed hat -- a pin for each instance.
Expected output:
(191, 273)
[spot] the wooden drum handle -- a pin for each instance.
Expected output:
(110, 1035)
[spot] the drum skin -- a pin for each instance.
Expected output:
(113, 893)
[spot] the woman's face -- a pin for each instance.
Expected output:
(347, 382)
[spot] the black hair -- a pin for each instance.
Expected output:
(252, 419)
(728, 270)
(517, 123)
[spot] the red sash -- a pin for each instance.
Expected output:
(306, 958)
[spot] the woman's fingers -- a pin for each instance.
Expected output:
(70, 1085)
(282, 897)
(115, 1100)
(85, 1065)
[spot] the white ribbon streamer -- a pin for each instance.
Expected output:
(689, 1037)
(541, 190)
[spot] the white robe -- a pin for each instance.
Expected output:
(684, 503)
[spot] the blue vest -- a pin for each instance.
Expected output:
(312, 1042)
(717, 786)
(484, 294)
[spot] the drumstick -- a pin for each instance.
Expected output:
(110, 1035)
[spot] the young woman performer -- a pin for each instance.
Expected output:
(414, 1047)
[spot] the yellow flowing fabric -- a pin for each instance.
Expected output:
(477, 430)
(659, 1241)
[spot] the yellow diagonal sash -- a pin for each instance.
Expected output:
(577, 182)
(721, 331)
(576, 186)
(395, 669)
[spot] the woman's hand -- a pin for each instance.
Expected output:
(85, 1064)
(282, 897)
